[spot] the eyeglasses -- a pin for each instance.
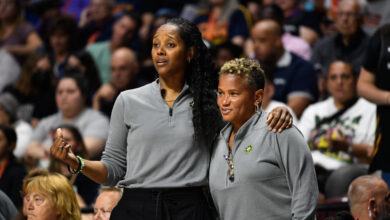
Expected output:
(229, 160)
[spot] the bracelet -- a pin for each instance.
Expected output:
(81, 160)
(80, 168)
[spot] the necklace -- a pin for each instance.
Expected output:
(170, 100)
(230, 163)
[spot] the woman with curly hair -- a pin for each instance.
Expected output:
(255, 173)
(158, 149)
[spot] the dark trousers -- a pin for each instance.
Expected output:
(163, 204)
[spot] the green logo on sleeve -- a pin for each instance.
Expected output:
(248, 149)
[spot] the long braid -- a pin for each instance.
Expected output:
(199, 76)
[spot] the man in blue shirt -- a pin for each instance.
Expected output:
(294, 78)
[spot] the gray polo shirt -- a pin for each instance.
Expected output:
(151, 145)
(91, 124)
(274, 174)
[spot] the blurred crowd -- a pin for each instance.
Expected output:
(64, 62)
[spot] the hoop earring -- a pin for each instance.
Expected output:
(257, 107)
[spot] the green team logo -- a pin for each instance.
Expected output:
(248, 149)
(192, 104)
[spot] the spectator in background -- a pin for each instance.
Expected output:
(374, 85)
(16, 36)
(11, 172)
(152, 5)
(224, 20)
(224, 53)
(125, 31)
(254, 7)
(35, 89)
(71, 94)
(377, 15)
(340, 131)
(42, 12)
(10, 69)
(84, 187)
(269, 90)
(191, 10)
(294, 79)
(290, 42)
(49, 196)
(7, 208)
(82, 61)
(74, 7)
(61, 40)
(106, 202)
(8, 117)
(349, 43)
(328, 9)
(147, 20)
(96, 21)
(299, 22)
(368, 198)
(124, 75)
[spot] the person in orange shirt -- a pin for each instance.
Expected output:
(223, 21)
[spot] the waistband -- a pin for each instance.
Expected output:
(181, 190)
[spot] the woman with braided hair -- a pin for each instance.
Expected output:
(158, 148)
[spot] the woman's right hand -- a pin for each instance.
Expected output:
(62, 151)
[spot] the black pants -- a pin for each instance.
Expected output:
(163, 204)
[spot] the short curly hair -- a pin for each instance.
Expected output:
(248, 68)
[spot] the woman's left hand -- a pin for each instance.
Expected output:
(279, 119)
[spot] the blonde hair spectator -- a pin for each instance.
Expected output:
(54, 189)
